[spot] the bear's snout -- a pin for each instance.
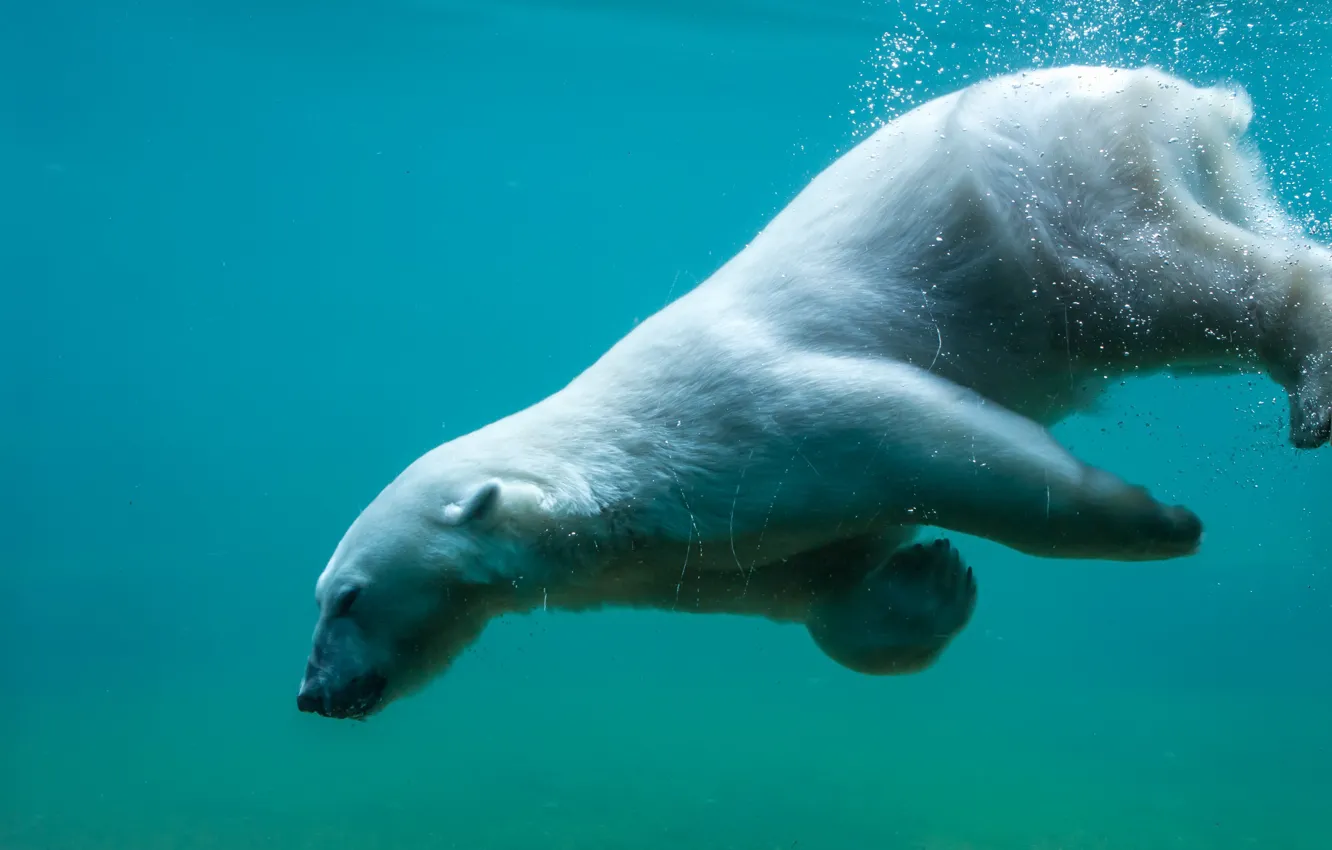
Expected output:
(340, 679)
(354, 698)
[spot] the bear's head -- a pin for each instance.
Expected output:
(411, 584)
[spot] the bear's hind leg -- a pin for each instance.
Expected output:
(901, 616)
(1266, 283)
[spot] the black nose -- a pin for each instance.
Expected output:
(309, 699)
(356, 698)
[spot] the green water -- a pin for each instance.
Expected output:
(258, 256)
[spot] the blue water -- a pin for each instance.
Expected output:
(257, 256)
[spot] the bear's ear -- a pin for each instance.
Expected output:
(476, 507)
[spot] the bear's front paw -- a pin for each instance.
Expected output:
(1176, 531)
(900, 617)
(1158, 530)
(1125, 522)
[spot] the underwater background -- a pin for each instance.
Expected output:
(258, 255)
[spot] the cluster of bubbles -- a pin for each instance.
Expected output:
(1278, 51)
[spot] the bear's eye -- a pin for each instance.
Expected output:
(345, 600)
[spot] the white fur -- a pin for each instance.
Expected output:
(888, 350)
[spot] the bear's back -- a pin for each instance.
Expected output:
(916, 165)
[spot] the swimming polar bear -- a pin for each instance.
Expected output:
(887, 353)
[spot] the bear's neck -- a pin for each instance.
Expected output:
(606, 478)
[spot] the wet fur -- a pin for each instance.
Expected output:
(888, 352)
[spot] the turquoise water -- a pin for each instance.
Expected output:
(258, 256)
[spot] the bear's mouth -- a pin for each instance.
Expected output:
(354, 699)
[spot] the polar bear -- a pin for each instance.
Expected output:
(887, 353)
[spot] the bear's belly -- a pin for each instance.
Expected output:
(748, 552)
